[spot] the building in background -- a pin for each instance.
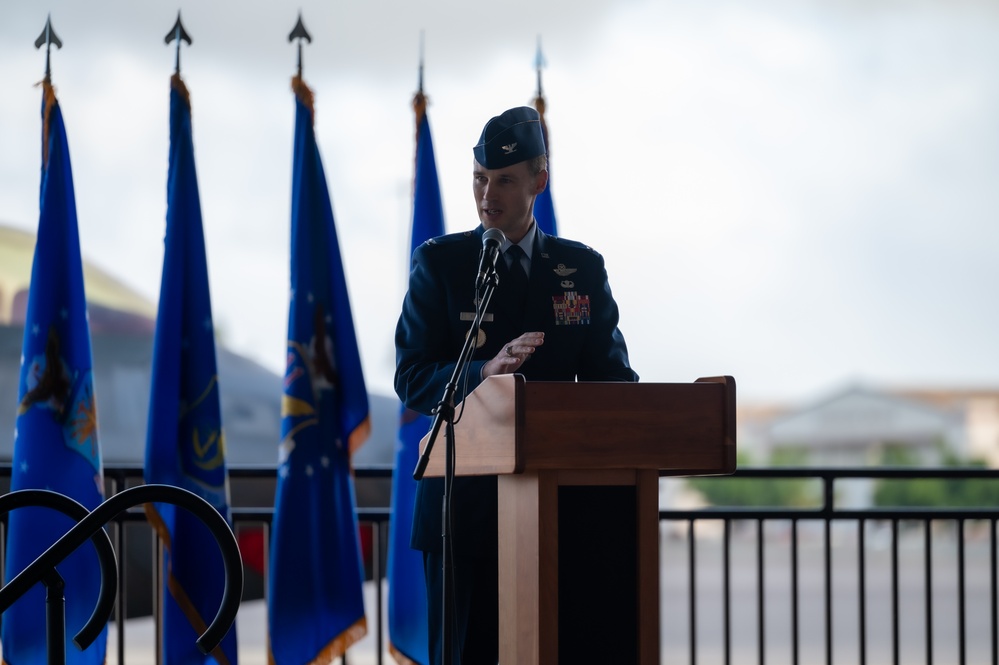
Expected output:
(979, 411)
(859, 426)
(122, 323)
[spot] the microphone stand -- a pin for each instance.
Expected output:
(444, 413)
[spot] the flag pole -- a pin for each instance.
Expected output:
(420, 86)
(185, 439)
(407, 607)
(544, 208)
(419, 100)
(55, 599)
(325, 416)
(56, 442)
(539, 64)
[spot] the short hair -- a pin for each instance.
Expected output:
(538, 164)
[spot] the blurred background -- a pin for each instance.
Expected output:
(800, 195)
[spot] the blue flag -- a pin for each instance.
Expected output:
(407, 596)
(315, 601)
(185, 445)
(544, 208)
(55, 437)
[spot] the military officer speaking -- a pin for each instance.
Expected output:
(551, 318)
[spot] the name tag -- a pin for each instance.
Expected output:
(470, 316)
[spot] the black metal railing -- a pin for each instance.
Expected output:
(90, 526)
(828, 582)
(905, 598)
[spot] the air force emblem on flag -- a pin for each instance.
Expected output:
(80, 429)
(52, 385)
(202, 443)
(48, 381)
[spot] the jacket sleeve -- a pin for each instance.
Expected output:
(605, 355)
(425, 351)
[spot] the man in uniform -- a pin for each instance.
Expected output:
(551, 318)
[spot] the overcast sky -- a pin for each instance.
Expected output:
(799, 194)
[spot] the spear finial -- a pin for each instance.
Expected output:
(177, 32)
(421, 62)
(299, 32)
(539, 64)
(419, 99)
(48, 38)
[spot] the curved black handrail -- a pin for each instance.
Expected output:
(121, 502)
(105, 554)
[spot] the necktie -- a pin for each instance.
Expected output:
(518, 278)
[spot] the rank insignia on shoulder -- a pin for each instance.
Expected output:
(571, 309)
(562, 271)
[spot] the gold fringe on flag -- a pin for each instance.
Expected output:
(173, 586)
(420, 102)
(50, 101)
(338, 645)
(420, 107)
(359, 436)
(399, 656)
(304, 94)
(177, 84)
(539, 106)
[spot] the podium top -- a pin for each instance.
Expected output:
(510, 425)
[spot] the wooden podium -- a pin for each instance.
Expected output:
(578, 468)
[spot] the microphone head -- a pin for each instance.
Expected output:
(493, 236)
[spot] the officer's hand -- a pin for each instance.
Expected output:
(514, 354)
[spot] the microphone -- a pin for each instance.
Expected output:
(492, 240)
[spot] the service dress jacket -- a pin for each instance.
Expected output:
(568, 299)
